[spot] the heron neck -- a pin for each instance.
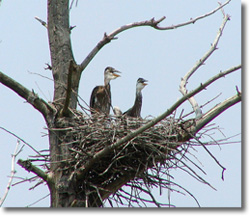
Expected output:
(138, 98)
(106, 81)
(138, 92)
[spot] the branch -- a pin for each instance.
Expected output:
(184, 80)
(65, 111)
(39, 104)
(209, 116)
(217, 110)
(192, 21)
(30, 146)
(27, 165)
(16, 152)
(151, 23)
(132, 135)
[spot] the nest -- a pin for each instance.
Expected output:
(97, 166)
(85, 137)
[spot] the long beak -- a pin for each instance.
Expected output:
(116, 75)
(144, 83)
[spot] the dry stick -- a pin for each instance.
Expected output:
(203, 105)
(188, 159)
(21, 140)
(41, 21)
(150, 194)
(46, 26)
(16, 152)
(210, 115)
(195, 175)
(185, 79)
(151, 23)
(130, 136)
(192, 21)
(38, 200)
(186, 191)
(203, 145)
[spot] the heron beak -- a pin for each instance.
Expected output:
(144, 83)
(116, 75)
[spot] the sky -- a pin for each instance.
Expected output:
(161, 57)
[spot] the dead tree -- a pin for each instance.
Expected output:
(91, 159)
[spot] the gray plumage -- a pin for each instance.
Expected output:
(100, 100)
(135, 110)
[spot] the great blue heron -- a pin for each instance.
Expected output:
(100, 100)
(135, 110)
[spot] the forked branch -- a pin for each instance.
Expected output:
(198, 64)
(16, 152)
(151, 23)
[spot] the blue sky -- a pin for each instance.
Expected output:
(162, 57)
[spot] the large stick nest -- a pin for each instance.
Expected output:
(85, 137)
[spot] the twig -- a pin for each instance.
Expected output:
(192, 21)
(48, 67)
(14, 155)
(203, 145)
(187, 192)
(38, 200)
(21, 140)
(33, 73)
(237, 90)
(203, 105)
(185, 79)
(151, 195)
(41, 21)
(25, 180)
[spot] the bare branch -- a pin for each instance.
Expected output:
(27, 165)
(30, 96)
(192, 21)
(184, 80)
(30, 146)
(151, 23)
(107, 38)
(217, 110)
(38, 200)
(16, 152)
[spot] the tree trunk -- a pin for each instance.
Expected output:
(61, 58)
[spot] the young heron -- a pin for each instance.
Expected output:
(135, 110)
(100, 100)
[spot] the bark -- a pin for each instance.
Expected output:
(65, 95)
(61, 52)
